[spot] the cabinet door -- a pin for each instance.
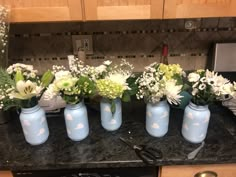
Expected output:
(228, 170)
(199, 8)
(5, 174)
(44, 10)
(123, 9)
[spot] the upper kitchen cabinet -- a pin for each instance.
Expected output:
(199, 8)
(44, 10)
(123, 9)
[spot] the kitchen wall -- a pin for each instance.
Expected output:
(140, 42)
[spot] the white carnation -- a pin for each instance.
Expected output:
(193, 77)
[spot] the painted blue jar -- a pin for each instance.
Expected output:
(34, 124)
(157, 118)
(76, 119)
(111, 121)
(195, 123)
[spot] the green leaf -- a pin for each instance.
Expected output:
(113, 107)
(19, 76)
(47, 78)
(126, 97)
(186, 87)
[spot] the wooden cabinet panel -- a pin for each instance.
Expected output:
(199, 8)
(44, 10)
(225, 170)
(5, 174)
(123, 9)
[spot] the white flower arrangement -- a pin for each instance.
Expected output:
(112, 81)
(159, 82)
(207, 86)
(73, 84)
(20, 86)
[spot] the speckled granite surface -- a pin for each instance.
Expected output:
(104, 149)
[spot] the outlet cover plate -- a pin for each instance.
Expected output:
(84, 42)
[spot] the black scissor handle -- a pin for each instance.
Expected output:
(155, 152)
(146, 157)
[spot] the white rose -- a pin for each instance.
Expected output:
(107, 62)
(193, 77)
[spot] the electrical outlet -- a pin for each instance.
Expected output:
(84, 42)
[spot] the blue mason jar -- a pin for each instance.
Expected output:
(195, 123)
(111, 121)
(34, 124)
(76, 119)
(157, 118)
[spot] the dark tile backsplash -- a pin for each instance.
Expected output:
(140, 42)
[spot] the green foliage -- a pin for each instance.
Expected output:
(19, 76)
(47, 78)
(113, 106)
(126, 97)
(71, 99)
(5, 78)
(6, 82)
(86, 86)
(83, 88)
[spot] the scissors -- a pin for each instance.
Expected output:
(148, 155)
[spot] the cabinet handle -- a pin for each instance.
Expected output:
(206, 174)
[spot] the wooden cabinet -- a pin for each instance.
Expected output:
(69, 10)
(199, 8)
(5, 174)
(224, 170)
(123, 9)
(44, 10)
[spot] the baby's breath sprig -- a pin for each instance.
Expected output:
(160, 81)
(4, 28)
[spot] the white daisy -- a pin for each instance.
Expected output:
(202, 86)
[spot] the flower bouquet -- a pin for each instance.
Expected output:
(113, 84)
(21, 87)
(205, 88)
(230, 102)
(158, 84)
(73, 86)
(4, 28)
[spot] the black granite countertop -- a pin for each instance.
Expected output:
(104, 149)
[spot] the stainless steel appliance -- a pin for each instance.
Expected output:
(224, 59)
